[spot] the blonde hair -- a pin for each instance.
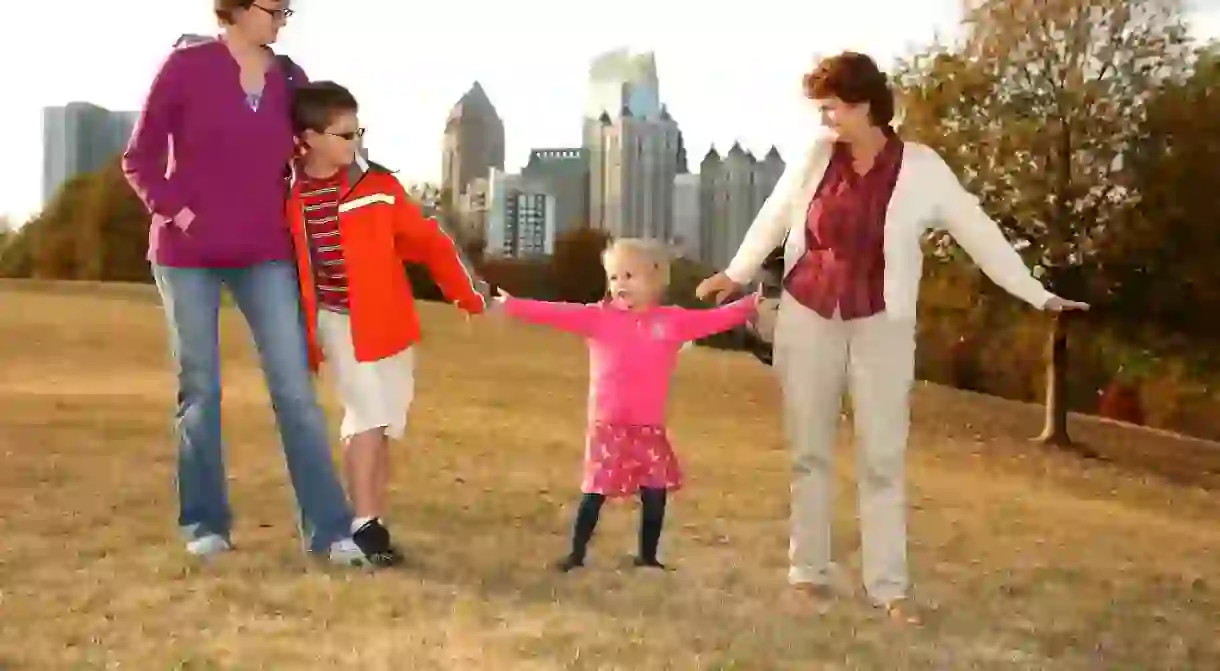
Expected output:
(652, 252)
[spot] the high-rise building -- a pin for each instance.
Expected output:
(427, 195)
(632, 164)
(620, 79)
(473, 207)
(565, 174)
(688, 238)
(732, 190)
(79, 138)
(473, 142)
(634, 148)
(124, 125)
(520, 216)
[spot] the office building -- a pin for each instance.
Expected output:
(732, 190)
(427, 195)
(634, 148)
(473, 142)
(564, 173)
(521, 219)
(688, 237)
(473, 207)
(80, 138)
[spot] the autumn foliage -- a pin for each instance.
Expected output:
(1083, 127)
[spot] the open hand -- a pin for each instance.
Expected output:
(718, 286)
(1057, 304)
(497, 303)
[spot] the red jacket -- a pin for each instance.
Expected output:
(380, 228)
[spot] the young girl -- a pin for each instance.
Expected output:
(633, 347)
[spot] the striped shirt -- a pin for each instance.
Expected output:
(320, 199)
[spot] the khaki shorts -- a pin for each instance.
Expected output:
(374, 394)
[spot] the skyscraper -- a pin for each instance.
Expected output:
(473, 142)
(520, 216)
(80, 138)
(565, 173)
(732, 190)
(688, 238)
(634, 148)
(620, 78)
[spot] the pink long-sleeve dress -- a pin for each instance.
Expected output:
(632, 355)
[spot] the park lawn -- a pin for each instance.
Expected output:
(1025, 558)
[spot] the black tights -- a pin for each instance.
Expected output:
(652, 518)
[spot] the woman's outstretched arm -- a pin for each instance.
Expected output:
(979, 235)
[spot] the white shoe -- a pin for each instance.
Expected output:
(833, 580)
(346, 553)
(207, 546)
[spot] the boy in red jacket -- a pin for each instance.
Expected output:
(354, 227)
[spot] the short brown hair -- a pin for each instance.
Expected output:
(224, 9)
(853, 78)
(316, 104)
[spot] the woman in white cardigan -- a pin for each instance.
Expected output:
(851, 213)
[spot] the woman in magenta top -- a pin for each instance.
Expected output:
(633, 348)
(208, 158)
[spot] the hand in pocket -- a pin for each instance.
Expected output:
(184, 218)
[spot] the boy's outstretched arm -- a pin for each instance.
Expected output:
(695, 324)
(579, 318)
(421, 240)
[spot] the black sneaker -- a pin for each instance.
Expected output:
(373, 539)
(569, 563)
(640, 562)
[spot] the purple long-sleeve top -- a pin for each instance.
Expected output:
(199, 144)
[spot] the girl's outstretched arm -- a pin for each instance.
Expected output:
(579, 318)
(696, 324)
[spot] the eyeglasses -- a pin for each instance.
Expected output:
(280, 14)
(349, 136)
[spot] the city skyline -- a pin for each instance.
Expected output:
(728, 77)
(629, 178)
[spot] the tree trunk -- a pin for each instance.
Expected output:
(1054, 431)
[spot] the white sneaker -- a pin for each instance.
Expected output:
(207, 546)
(346, 553)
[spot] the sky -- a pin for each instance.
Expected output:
(728, 71)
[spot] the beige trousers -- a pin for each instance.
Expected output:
(817, 359)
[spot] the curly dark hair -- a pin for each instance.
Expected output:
(853, 78)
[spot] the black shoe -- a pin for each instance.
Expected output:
(640, 562)
(391, 557)
(569, 563)
(373, 539)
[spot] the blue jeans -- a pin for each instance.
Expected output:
(269, 297)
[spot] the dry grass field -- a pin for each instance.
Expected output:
(1025, 559)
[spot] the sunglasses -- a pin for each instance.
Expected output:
(350, 135)
(280, 14)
